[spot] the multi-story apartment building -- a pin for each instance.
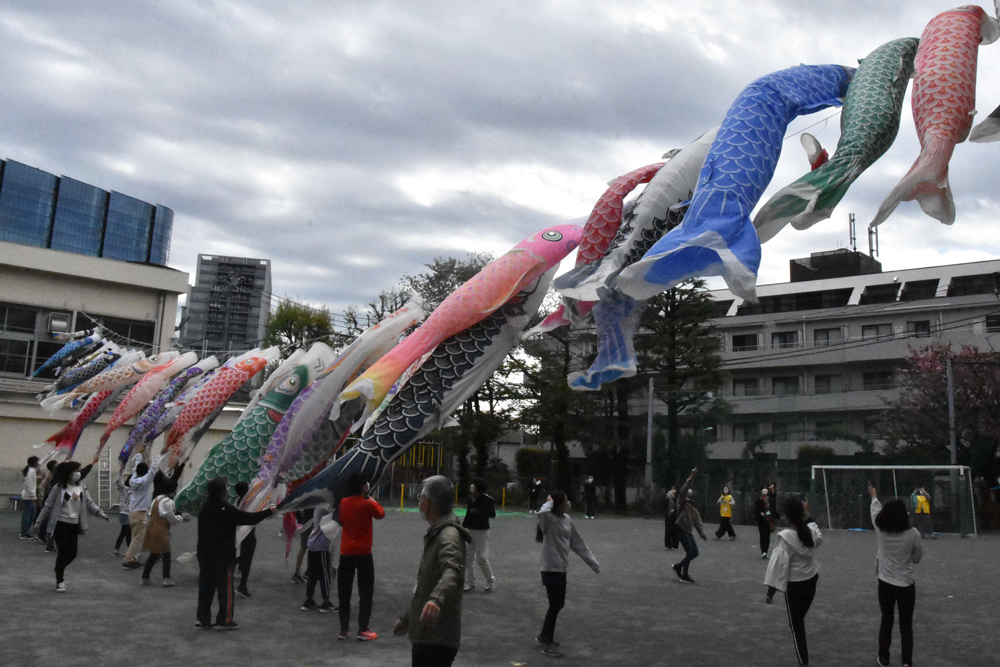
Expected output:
(820, 355)
(47, 211)
(229, 305)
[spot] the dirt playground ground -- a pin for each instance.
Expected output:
(634, 613)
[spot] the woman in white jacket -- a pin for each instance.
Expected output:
(794, 570)
(558, 536)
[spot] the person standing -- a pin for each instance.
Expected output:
(44, 488)
(765, 524)
(69, 502)
(318, 565)
(772, 504)
(157, 540)
(356, 514)
(794, 570)
(669, 519)
(304, 520)
(217, 522)
(124, 500)
(533, 491)
(141, 485)
(899, 549)
(922, 502)
(481, 509)
(247, 547)
(433, 620)
(589, 497)
(688, 520)
(725, 503)
(558, 536)
(29, 496)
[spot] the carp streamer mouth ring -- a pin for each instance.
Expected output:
(552, 236)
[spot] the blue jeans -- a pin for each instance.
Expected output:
(690, 548)
(28, 515)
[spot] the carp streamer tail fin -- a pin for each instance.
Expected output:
(926, 182)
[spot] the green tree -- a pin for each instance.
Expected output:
(677, 346)
(443, 276)
(294, 325)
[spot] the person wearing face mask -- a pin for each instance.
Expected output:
(481, 509)
(433, 620)
(558, 536)
(68, 502)
(688, 520)
(725, 503)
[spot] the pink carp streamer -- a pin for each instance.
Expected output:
(944, 101)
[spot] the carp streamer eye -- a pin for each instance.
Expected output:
(551, 236)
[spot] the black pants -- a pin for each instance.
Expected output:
(66, 536)
(124, 535)
(245, 559)
(555, 588)
(318, 570)
(725, 526)
(151, 561)
(433, 655)
(215, 579)
(669, 536)
(888, 597)
(590, 504)
(365, 567)
(533, 502)
(798, 599)
(764, 530)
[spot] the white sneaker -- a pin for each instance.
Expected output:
(60, 587)
(167, 583)
(764, 556)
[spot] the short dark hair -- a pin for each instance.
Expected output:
(168, 486)
(480, 484)
(141, 468)
(356, 483)
(894, 518)
(216, 488)
(241, 489)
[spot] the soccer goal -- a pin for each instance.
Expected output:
(839, 493)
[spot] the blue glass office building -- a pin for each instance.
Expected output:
(62, 213)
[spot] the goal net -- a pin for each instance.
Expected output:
(839, 494)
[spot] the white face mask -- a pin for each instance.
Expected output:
(75, 476)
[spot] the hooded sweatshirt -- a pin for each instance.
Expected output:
(791, 560)
(560, 537)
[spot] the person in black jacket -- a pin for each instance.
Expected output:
(477, 522)
(533, 492)
(589, 497)
(217, 524)
(762, 515)
(247, 547)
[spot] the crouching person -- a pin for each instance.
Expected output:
(433, 621)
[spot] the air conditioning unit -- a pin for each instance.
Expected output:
(59, 322)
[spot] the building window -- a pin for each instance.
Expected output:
(878, 380)
(744, 342)
(785, 385)
(919, 329)
(784, 432)
(132, 330)
(872, 331)
(720, 308)
(829, 384)
(970, 285)
(993, 323)
(915, 290)
(14, 356)
(744, 432)
(17, 320)
(745, 387)
(828, 336)
(782, 339)
(879, 294)
(873, 427)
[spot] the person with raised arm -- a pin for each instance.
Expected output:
(688, 520)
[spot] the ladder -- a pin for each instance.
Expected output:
(104, 479)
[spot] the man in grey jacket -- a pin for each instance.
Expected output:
(434, 618)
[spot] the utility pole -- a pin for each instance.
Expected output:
(953, 450)
(649, 438)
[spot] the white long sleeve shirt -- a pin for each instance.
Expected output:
(897, 552)
(29, 491)
(561, 536)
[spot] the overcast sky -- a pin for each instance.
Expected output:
(351, 142)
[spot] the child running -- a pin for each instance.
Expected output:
(558, 536)
(899, 548)
(794, 570)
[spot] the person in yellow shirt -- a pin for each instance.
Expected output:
(725, 503)
(921, 501)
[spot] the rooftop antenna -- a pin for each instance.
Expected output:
(873, 242)
(854, 232)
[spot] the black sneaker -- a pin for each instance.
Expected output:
(686, 579)
(298, 578)
(878, 661)
(309, 605)
(552, 651)
(242, 590)
(327, 607)
(676, 567)
(227, 626)
(544, 642)
(202, 626)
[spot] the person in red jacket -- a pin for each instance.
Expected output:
(356, 514)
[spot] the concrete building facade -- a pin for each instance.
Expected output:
(229, 305)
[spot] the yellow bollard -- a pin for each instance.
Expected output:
(402, 487)
(503, 505)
